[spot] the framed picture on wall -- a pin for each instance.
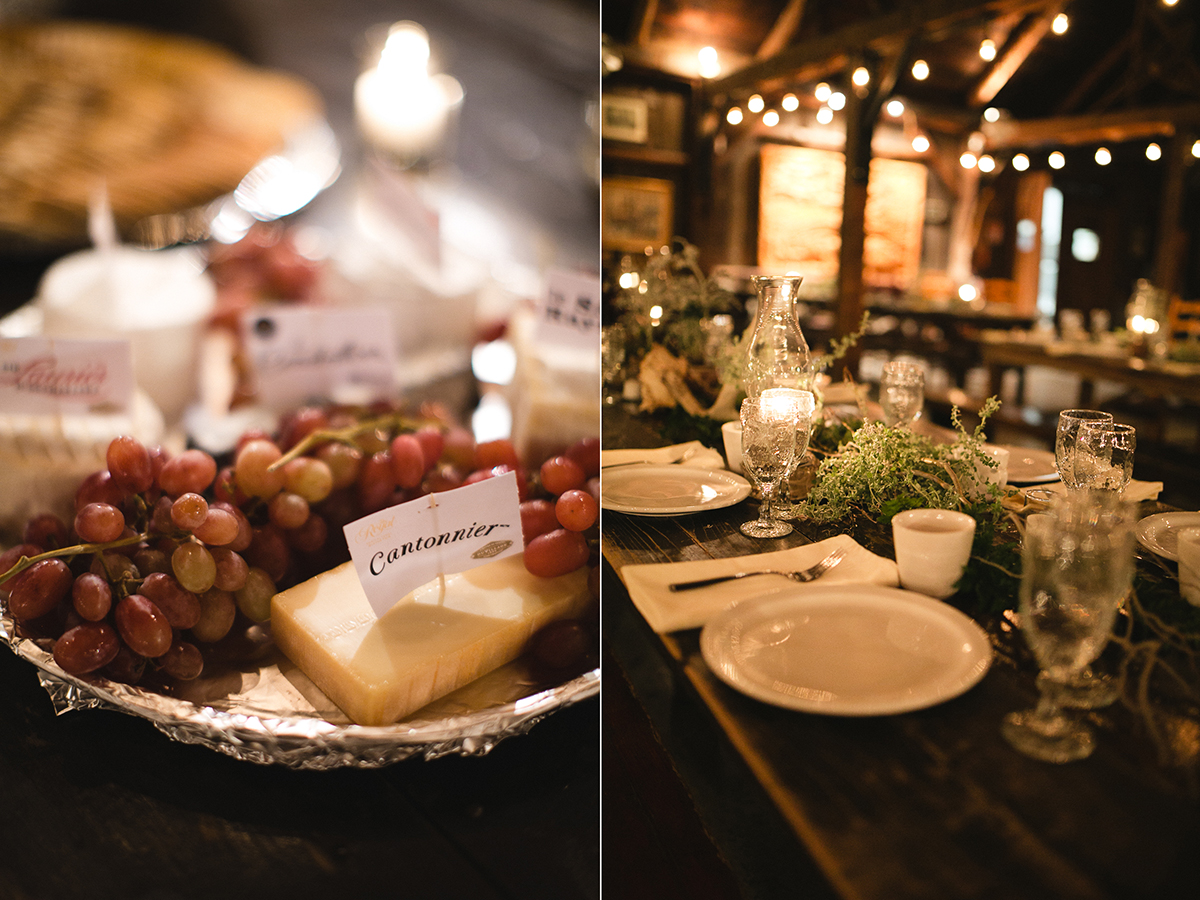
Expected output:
(636, 213)
(625, 118)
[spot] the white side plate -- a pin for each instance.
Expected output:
(1030, 466)
(651, 490)
(847, 650)
(1160, 533)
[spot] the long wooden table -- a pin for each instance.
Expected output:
(928, 804)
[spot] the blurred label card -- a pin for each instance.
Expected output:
(65, 376)
(403, 547)
(302, 354)
(569, 314)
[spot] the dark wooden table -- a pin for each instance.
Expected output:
(928, 804)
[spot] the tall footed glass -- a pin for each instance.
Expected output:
(768, 447)
(778, 357)
(1078, 565)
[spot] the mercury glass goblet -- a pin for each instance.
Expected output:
(901, 392)
(1078, 565)
(1104, 455)
(768, 448)
(1066, 439)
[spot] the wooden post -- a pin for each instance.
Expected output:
(1168, 254)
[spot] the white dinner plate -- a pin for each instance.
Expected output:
(847, 650)
(1029, 466)
(651, 490)
(1160, 533)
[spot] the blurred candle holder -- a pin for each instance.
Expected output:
(406, 114)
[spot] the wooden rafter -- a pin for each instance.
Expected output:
(1126, 125)
(880, 33)
(1102, 66)
(1014, 54)
(645, 22)
(783, 30)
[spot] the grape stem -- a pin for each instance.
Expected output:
(26, 561)
(348, 434)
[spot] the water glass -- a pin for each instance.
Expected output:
(786, 505)
(901, 392)
(768, 450)
(1104, 455)
(1078, 566)
(1066, 439)
(612, 361)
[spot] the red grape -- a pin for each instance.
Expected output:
(254, 598)
(143, 626)
(114, 566)
(129, 464)
(376, 482)
(311, 478)
(193, 567)
(126, 667)
(560, 645)
(459, 448)
(219, 528)
(432, 442)
(252, 468)
(189, 511)
(99, 487)
(191, 470)
(39, 589)
(149, 560)
(245, 532)
(537, 517)
(311, 536)
(86, 647)
(217, 612)
(408, 461)
(46, 530)
(301, 424)
(269, 551)
(556, 553)
(344, 461)
(562, 474)
(91, 596)
(287, 510)
(11, 557)
(231, 569)
(576, 510)
(180, 606)
(586, 453)
(182, 660)
(496, 453)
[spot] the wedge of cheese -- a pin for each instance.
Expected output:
(433, 641)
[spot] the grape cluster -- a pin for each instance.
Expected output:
(170, 558)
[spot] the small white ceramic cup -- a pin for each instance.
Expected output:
(932, 549)
(1189, 565)
(731, 433)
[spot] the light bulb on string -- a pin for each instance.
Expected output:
(895, 108)
(837, 100)
(991, 114)
(710, 64)
(1020, 162)
(790, 102)
(822, 92)
(734, 116)
(987, 50)
(987, 163)
(861, 77)
(770, 118)
(1060, 24)
(1153, 152)
(920, 143)
(920, 70)
(756, 104)
(824, 115)
(1103, 156)
(1056, 160)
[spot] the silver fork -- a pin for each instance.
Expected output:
(810, 574)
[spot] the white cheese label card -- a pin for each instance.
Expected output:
(65, 376)
(302, 354)
(401, 548)
(569, 314)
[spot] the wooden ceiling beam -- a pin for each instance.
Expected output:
(647, 11)
(1072, 101)
(783, 30)
(1013, 56)
(890, 29)
(1065, 131)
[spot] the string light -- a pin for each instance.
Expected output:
(824, 115)
(837, 100)
(920, 143)
(710, 65)
(1020, 162)
(968, 160)
(1060, 24)
(756, 104)
(734, 116)
(861, 77)
(987, 163)
(822, 92)
(1056, 160)
(770, 118)
(790, 102)
(987, 50)
(1103, 157)
(920, 70)
(1196, 149)
(895, 108)
(991, 114)
(1153, 152)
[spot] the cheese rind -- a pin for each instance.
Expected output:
(432, 642)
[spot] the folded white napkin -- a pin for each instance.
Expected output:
(693, 453)
(665, 610)
(1135, 491)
